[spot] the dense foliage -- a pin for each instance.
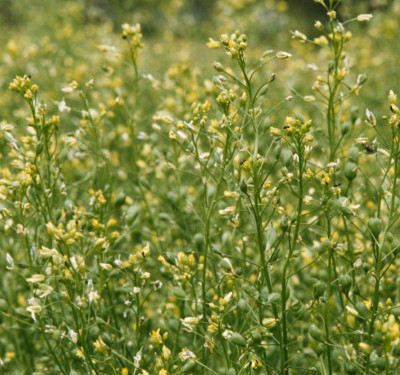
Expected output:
(179, 197)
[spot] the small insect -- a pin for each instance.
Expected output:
(243, 161)
(370, 149)
(337, 184)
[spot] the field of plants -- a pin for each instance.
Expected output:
(199, 187)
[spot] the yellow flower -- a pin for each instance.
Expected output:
(213, 43)
(155, 337)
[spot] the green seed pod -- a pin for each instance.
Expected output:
(284, 223)
(297, 306)
(21, 311)
(362, 78)
(354, 114)
(57, 334)
(324, 246)
(287, 157)
(379, 363)
(238, 339)
(256, 337)
(345, 283)
(243, 305)
(188, 366)
(277, 151)
(178, 292)
(172, 198)
(375, 226)
(389, 237)
(331, 65)
(106, 338)
(218, 66)
(119, 199)
(39, 148)
(356, 290)
(300, 117)
(320, 349)
(362, 309)
(350, 369)
(345, 128)
(270, 238)
(94, 332)
(316, 334)
(274, 298)
(63, 154)
(231, 371)
(319, 289)
(396, 247)
(350, 171)
(353, 154)
(264, 294)
(3, 305)
(198, 239)
(243, 186)
(366, 267)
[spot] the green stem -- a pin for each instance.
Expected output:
(284, 281)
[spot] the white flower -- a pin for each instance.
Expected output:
(227, 211)
(309, 98)
(299, 36)
(186, 354)
(137, 358)
(62, 107)
(283, 55)
(106, 266)
(364, 17)
(371, 120)
(93, 296)
(351, 310)
(10, 261)
(36, 279)
(67, 89)
(73, 336)
(34, 308)
(227, 334)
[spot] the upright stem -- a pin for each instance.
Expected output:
(328, 296)
(377, 250)
(284, 346)
(207, 233)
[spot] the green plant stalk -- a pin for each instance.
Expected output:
(207, 233)
(54, 355)
(257, 200)
(375, 303)
(284, 344)
(257, 188)
(331, 113)
(377, 248)
(326, 307)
